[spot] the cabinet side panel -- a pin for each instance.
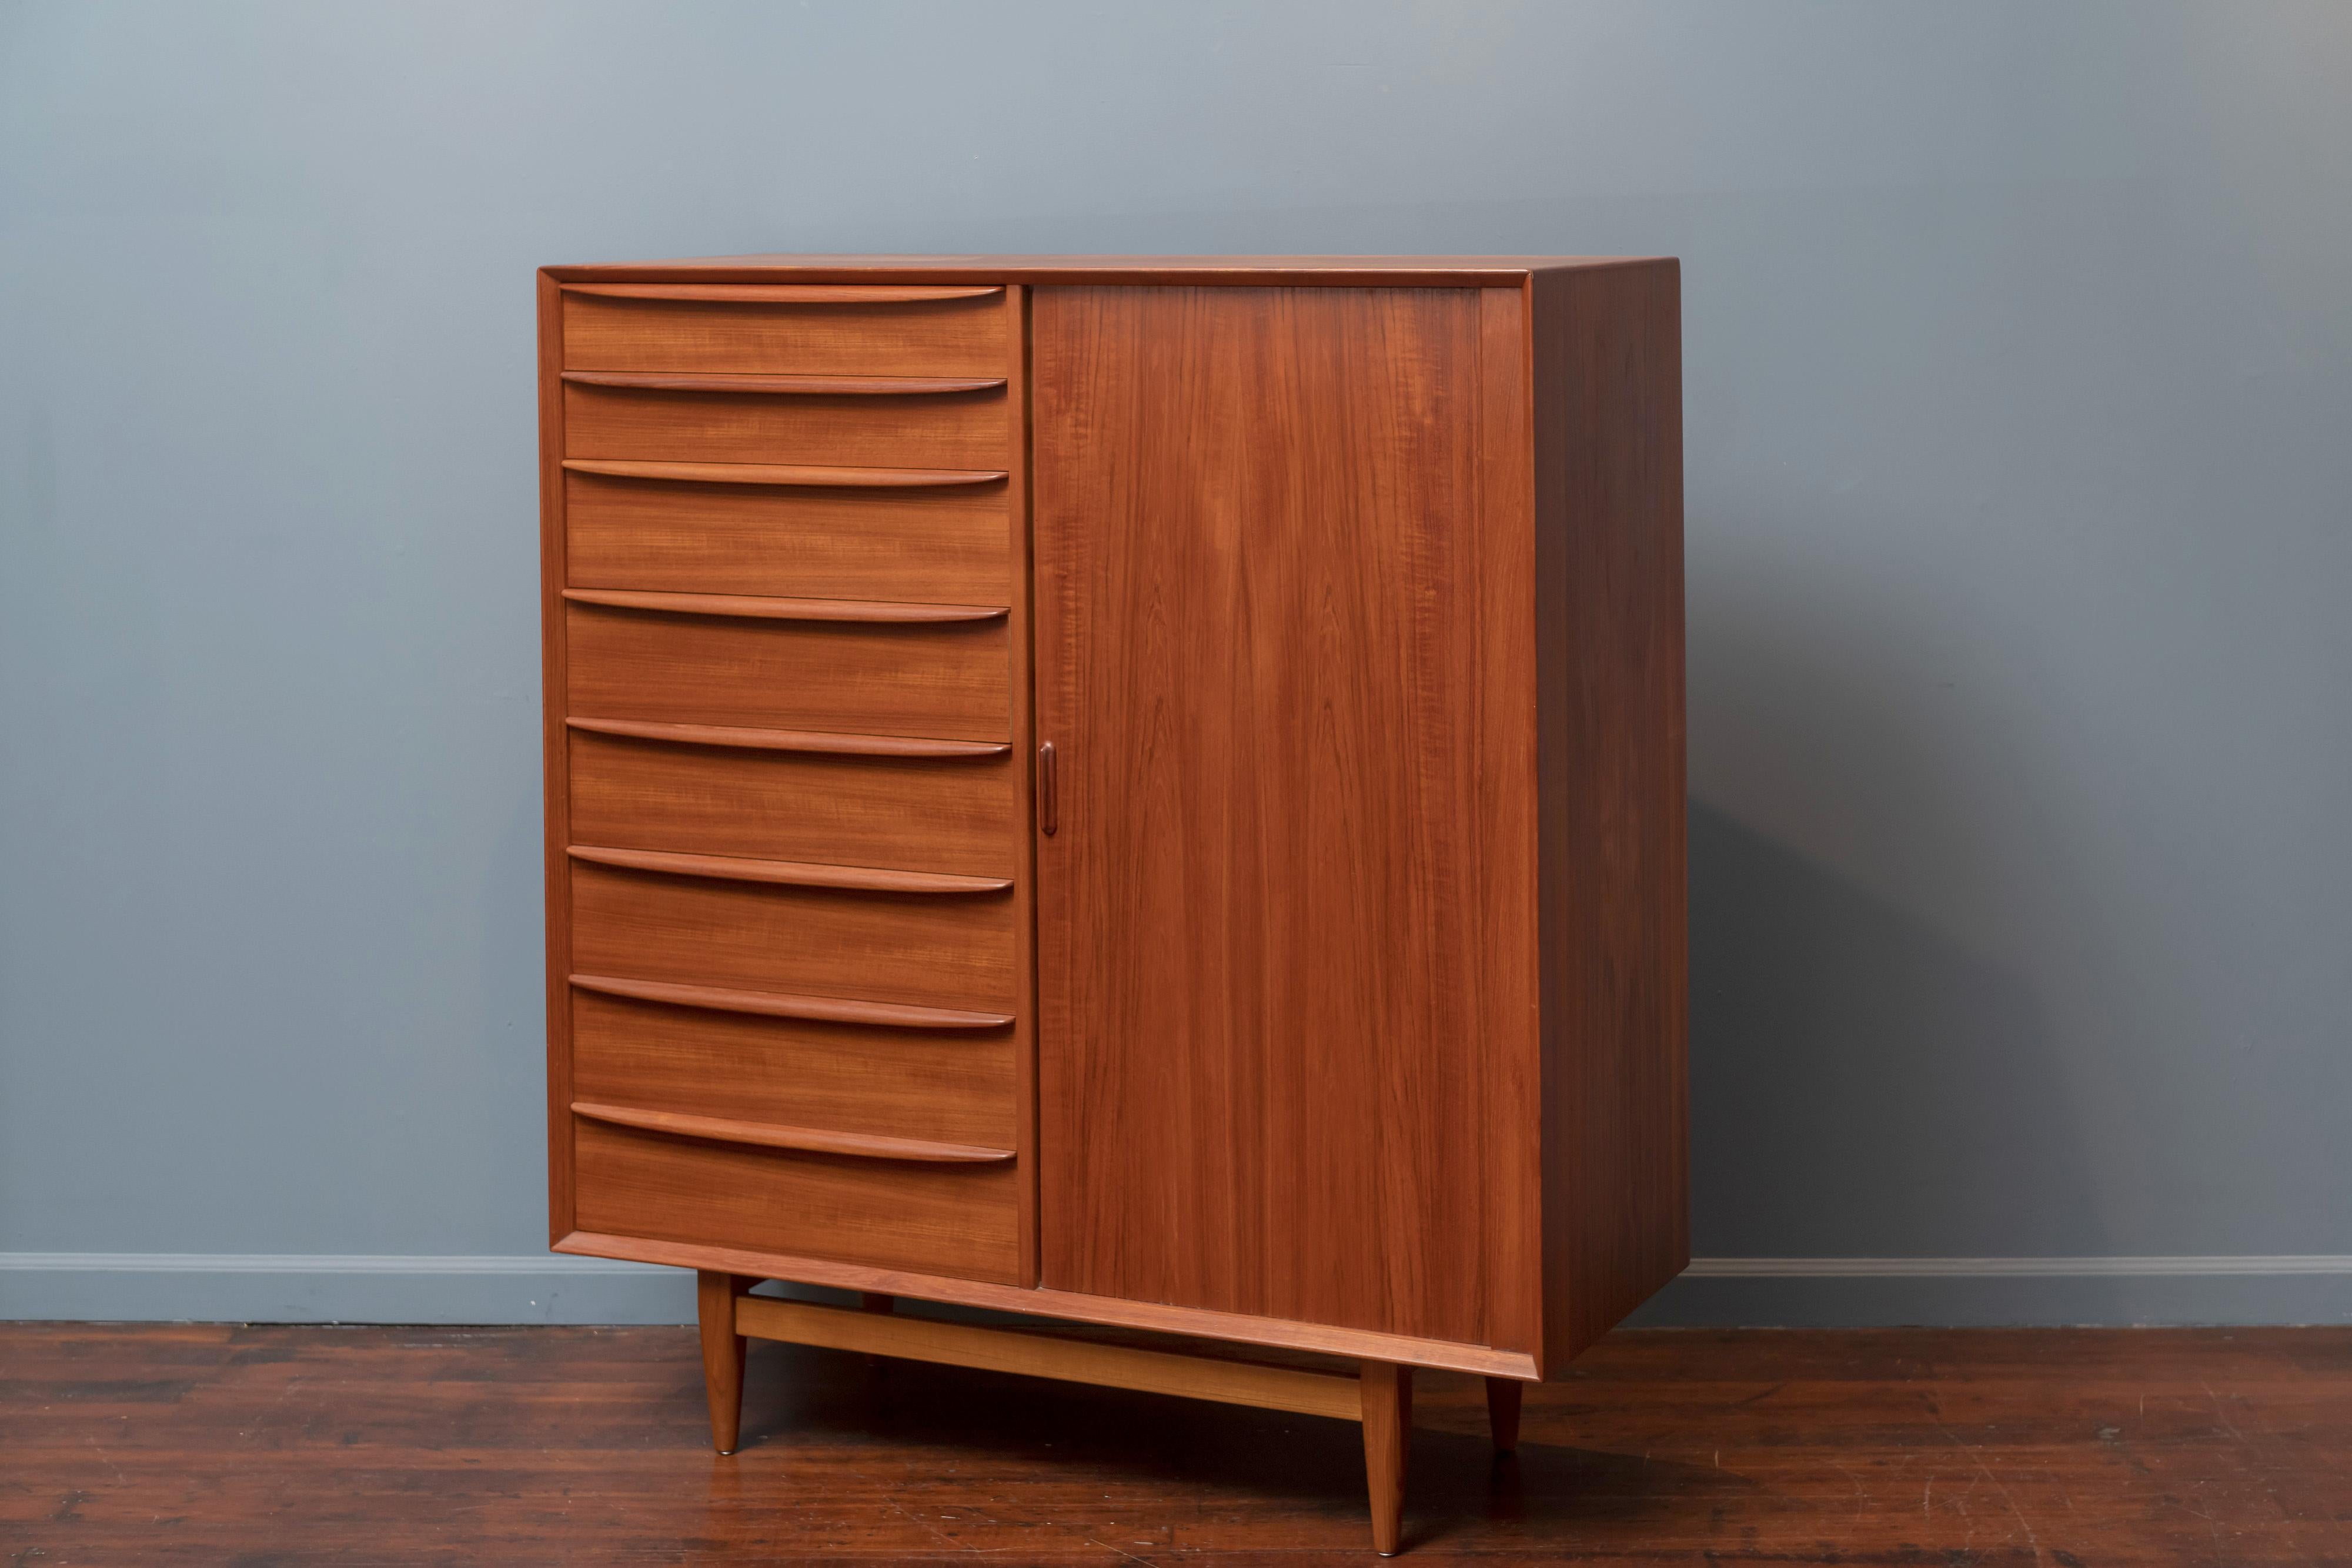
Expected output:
(1607, 372)
(556, 758)
(1268, 1009)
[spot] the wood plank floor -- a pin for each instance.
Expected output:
(257, 1446)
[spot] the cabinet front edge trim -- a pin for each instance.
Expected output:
(1237, 1327)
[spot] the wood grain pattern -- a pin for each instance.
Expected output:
(786, 1005)
(952, 814)
(786, 334)
(948, 1219)
(1040, 1354)
(768, 607)
(950, 1086)
(789, 386)
(1276, 1334)
(869, 946)
(174, 1444)
(932, 429)
(723, 1354)
(1019, 646)
(941, 545)
(1607, 396)
(1388, 1446)
(796, 874)
(799, 474)
(1266, 973)
(930, 682)
(1503, 882)
(776, 1136)
(1352, 609)
(822, 743)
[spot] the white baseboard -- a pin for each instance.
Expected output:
(319, 1263)
(208, 1287)
(1866, 1293)
(362, 1288)
(1981, 1268)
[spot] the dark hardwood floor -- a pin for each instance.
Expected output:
(165, 1445)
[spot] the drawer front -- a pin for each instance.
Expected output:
(939, 814)
(942, 1219)
(947, 546)
(954, 430)
(950, 681)
(812, 676)
(945, 950)
(900, 337)
(949, 1087)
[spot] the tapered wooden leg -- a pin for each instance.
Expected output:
(722, 1354)
(1503, 1413)
(1388, 1435)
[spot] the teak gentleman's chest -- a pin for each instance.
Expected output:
(1146, 791)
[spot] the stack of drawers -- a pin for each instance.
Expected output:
(793, 857)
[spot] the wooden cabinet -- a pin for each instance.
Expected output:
(1146, 791)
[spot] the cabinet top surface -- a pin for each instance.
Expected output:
(1426, 271)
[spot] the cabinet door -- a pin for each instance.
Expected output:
(1287, 1052)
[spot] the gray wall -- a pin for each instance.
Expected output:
(2019, 429)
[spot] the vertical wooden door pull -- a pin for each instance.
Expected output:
(1048, 801)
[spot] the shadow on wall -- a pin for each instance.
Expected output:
(1874, 1074)
(1860, 1085)
(1864, 1087)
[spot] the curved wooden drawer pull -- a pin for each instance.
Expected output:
(786, 473)
(828, 386)
(777, 1004)
(791, 293)
(749, 607)
(822, 741)
(794, 874)
(809, 1140)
